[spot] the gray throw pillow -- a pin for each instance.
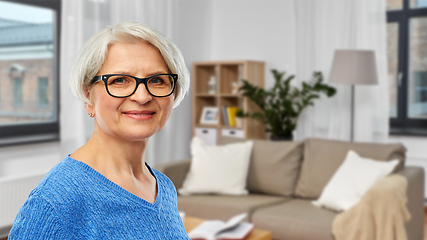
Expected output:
(274, 166)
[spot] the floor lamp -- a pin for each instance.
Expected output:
(353, 67)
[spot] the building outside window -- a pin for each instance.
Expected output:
(17, 92)
(43, 92)
(29, 70)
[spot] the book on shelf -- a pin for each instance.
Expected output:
(231, 113)
(225, 116)
(234, 228)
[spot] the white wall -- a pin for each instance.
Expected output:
(193, 29)
(238, 30)
(255, 30)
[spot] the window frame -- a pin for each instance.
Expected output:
(402, 124)
(38, 132)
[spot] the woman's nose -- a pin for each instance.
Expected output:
(141, 94)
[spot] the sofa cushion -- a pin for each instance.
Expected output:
(274, 166)
(224, 207)
(323, 157)
(352, 180)
(217, 169)
(295, 219)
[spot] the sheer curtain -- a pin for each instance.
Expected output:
(322, 27)
(81, 19)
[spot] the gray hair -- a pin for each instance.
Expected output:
(93, 53)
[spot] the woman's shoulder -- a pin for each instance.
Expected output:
(65, 170)
(66, 179)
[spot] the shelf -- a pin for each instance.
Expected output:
(203, 75)
(230, 76)
(206, 95)
(206, 125)
(230, 95)
(227, 76)
(231, 101)
(231, 128)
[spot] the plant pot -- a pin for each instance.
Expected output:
(239, 122)
(282, 138)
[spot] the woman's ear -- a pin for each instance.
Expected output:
(90, 110)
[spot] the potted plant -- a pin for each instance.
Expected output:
(282, 105)
(240, 114)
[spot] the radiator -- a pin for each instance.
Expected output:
(13, 193)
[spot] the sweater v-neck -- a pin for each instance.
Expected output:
(115, 187)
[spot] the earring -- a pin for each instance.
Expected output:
(90, 114)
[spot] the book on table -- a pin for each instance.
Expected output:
(234, 228)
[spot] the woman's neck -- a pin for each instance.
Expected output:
(112, 156)
(122, 162)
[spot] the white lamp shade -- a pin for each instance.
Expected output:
(354, 67)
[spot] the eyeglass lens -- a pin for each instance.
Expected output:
(120, 86)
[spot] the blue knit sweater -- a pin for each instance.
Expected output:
(73, 201)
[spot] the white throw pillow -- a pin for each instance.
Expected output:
(352, 179)
(217, 169)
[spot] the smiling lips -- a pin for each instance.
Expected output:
(139, 115)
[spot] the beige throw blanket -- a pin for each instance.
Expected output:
(380, 214)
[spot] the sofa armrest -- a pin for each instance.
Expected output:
(415, 194)
(175, 171)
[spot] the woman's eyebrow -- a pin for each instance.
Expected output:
(158, 72)
(148, 75)
(120, 72)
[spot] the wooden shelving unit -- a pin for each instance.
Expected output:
(226, 74)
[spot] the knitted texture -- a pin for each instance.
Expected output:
(73, 201)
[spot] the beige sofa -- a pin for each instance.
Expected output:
(285, 176)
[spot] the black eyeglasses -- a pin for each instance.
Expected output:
(121, 85)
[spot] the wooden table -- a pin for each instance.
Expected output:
(257, 234)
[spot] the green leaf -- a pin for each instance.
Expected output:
(283, 103)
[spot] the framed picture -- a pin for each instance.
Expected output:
(209, 115)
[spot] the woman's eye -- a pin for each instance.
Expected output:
(156, 80)
(120, 80)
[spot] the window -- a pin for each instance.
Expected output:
(43, 92)
(407, 65)
(29, 70)
(17, 92)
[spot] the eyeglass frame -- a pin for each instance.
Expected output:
(105, 78)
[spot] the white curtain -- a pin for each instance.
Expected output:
(81, 19)
(322, 27)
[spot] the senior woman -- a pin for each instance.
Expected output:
(130, 78)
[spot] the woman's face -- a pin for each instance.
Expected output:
(141, 115)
